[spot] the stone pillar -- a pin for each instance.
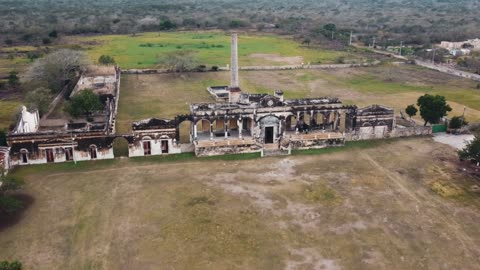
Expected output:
(324, 120)
(194, 132)
(334, 121)
(240, 128)
(311, 118)
(225, 126)
(211, 131)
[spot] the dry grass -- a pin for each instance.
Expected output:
(167, 95)
(355, 209)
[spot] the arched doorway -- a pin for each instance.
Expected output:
(185, 131)
(120, 147)
(291, 122)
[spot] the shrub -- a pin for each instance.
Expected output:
(106, 60)
(15, 265)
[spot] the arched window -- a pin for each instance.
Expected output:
(24, 155)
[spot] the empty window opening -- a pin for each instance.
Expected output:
(164, 147)
(50, 155)
(147, 150)
(93, 152)
(69, 153)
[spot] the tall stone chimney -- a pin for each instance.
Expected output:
(234, 83)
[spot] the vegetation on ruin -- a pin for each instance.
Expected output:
(39, 99)
(84, 103)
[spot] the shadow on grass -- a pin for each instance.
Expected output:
(8, 220)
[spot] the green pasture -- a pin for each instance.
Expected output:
(7, 112)
(213, 48)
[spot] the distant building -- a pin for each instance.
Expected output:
(471, 44)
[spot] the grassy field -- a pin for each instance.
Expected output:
(212, 48)
(363, 208)
(7, 112)
(167, 95)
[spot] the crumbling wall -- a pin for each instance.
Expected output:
(314, 144)
(226, 150)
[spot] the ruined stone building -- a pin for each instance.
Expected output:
(238, 122)
(48, 140)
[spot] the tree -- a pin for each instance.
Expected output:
(53, 34)
(432, 108)
(166, 25)
(307, 42)
(411, 110)
(9, 204)
(3, 137)
(15, 265)
(85, 102)
(471, 150)
(179, 61)
(55, 70)
(106, 60)
(457, 122)
(13, 80)
(39, 99)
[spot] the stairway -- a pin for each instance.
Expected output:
(270, 150)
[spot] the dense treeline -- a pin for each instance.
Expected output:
(413, 21)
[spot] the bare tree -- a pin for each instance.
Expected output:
(179, 61)
(56, 69)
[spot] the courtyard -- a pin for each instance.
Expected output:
(392, 204)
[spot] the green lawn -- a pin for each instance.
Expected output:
(213, 48)
(7, 112)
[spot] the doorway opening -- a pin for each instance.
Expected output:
(268, 134)
(50, 155)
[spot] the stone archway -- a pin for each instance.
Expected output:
(120, 147)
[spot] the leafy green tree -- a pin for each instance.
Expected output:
(53, 34)
(3, 137)
(13, 80)
(179, 61)
(39, 99)
(9, 204)
(85, 102)
(106, 60)
(457, 122)
(15, 265)
(471, 150)
(330, 27)
(411, 110)
(166, 25)
(432, 108)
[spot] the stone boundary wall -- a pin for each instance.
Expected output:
(448, 70)
(249, 68)
(398, 132)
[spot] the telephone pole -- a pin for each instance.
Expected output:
(433, 56)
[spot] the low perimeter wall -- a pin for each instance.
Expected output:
(398, 132)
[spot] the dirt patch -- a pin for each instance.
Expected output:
(289, 60)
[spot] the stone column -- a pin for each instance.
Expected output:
(211, 131)
(334, 121)
(311, 118)
(225, 126)
(194, 131)
(240, 128)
